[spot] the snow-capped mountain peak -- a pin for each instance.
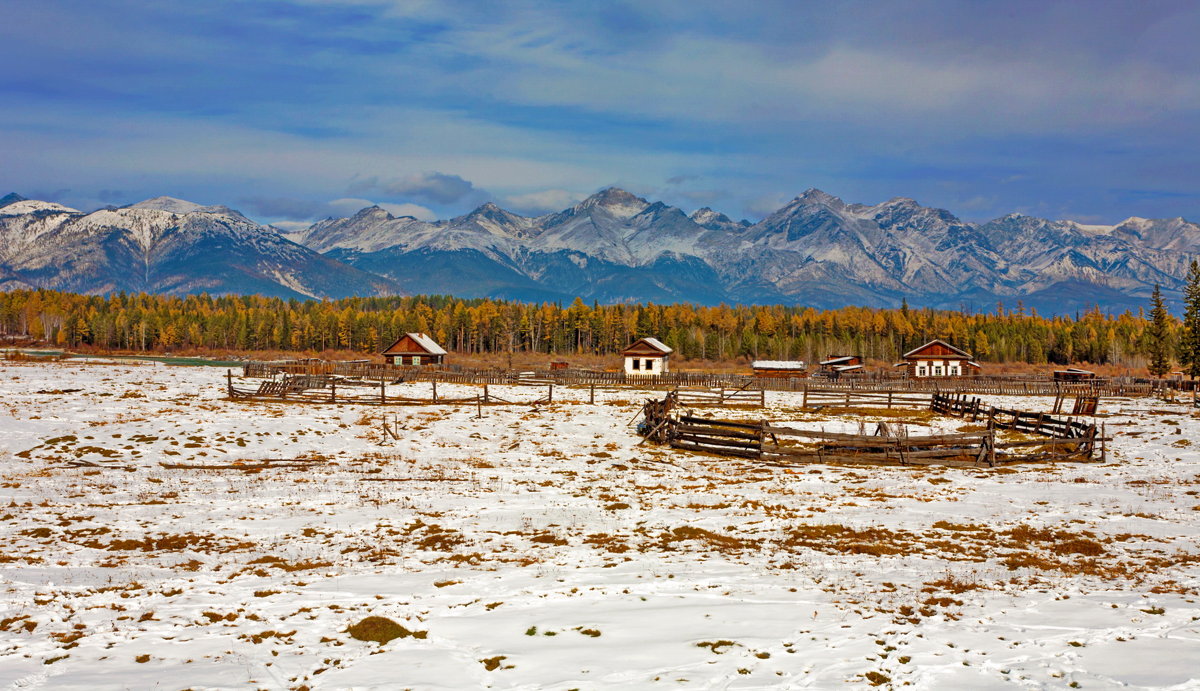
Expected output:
(171, 204)
(30, 206)
(615, 201)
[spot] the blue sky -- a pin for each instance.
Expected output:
(291, 110)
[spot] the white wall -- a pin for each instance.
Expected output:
(657, 365)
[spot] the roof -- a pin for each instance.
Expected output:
(425, 342)
(974, 364)
(937, 341)
(651, 343)
(835, 360)
(847, 368)
(1075, 370)
(778, 364)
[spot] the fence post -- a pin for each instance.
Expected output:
(435, 390)
(382, 392)
(592, 394)
(486, 396)
(333, 391)
(229, 382)
(550, 394)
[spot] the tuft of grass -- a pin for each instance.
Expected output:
(877, 678)
(381, 630)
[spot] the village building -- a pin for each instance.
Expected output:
(836, 365)
(415, 349)
(779, 369)
(1073, 374)
(938, 358)
(647, 357)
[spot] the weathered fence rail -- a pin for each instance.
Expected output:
(845, 398)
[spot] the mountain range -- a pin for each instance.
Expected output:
(612, 247)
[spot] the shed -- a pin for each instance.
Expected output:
(415, 349)
(938, 358)
(779, 369)
(646, 357)
(1073, 374)
(837, 365)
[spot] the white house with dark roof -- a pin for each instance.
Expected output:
(647, 357)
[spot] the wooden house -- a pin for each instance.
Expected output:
(647, 357)
(938, 358)
(415, 349)
(779, 369)
(1073, 374)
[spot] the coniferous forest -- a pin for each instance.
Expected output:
(249, 323)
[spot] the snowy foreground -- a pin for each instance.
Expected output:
(543, 548)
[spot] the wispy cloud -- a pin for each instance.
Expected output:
(446, 104)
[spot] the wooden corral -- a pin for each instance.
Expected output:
(1062, 439)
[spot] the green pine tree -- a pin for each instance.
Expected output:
(1157, 346)
(1189, 346)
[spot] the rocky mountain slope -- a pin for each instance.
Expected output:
(816, 250)
(164, 245)
(613, 246)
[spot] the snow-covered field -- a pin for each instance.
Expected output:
(544, 548)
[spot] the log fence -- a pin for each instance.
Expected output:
(1062, 439)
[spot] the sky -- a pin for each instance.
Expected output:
(295, 110)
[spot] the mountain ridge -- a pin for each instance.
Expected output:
(615, 246)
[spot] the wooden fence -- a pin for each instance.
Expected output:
(834, 398)
(990, 385)
(326, 389)
(721, 397)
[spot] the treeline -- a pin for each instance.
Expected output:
(248, 323)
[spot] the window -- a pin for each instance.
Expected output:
(649, 364)
(937, 371)
(952, 370)
(921, 371)
(416, 359)
(637, 364)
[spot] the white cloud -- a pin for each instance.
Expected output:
(544, 201)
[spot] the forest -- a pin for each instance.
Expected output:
(141, 322)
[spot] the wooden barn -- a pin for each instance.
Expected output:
(415, 349)
(837, 365)
(1073, 374)
(779, 369)
(938, 358)
(647, 357)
